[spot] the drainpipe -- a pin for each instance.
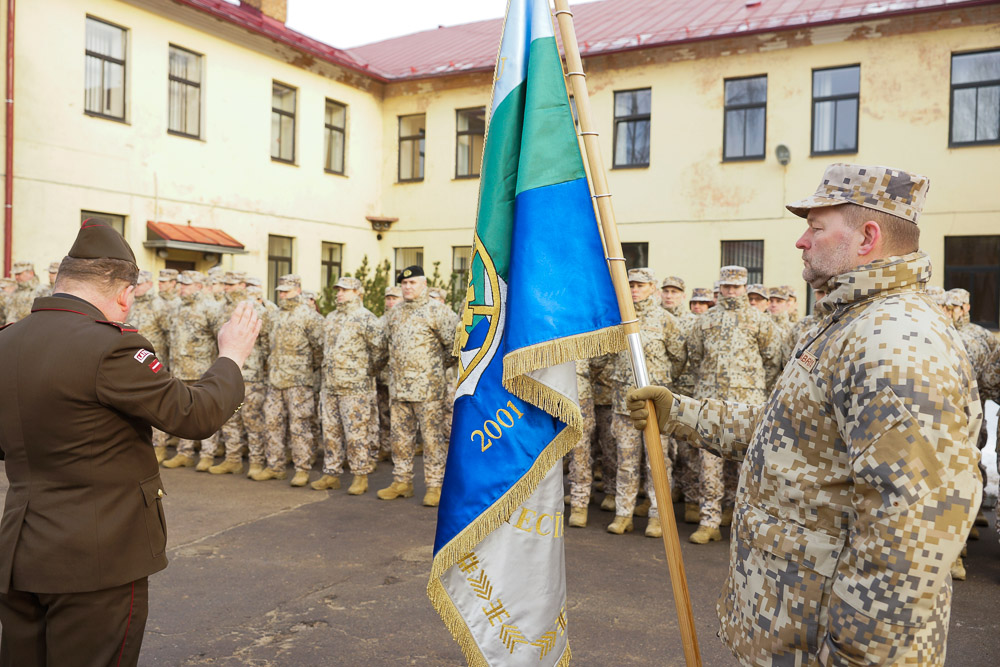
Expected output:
(8, 212)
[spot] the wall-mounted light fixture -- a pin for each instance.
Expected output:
(783, 154)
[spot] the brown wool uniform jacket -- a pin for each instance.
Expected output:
(83, 511)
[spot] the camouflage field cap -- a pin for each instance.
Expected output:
(937, 294)
(777, 293)
(234, 277)
(732, 275)
(19, 267)
(168, 274)
(790, 291)
(347, 282)
(289, 282)
(144, 277)
(879, 188)
(435, 293)
(54, 267)
(253, 282)
(192, 278)
(758, 289)
(394, 291)
(702, 294)
(643, 275)
(255, 290)
(673, 281)
(956, 297)
(308, 294)
(715, 286)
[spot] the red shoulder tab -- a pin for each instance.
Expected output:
(121, 326)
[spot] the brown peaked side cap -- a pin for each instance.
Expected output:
(96, 240)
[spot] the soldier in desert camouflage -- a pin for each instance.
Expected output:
(701, 300)
(353, 350)
(581, 461)
(601, 387)
(151, 316)
(859, 482)
(420, 335)
(757, 296)
(255, 383)
(19, 302)
(383, 448)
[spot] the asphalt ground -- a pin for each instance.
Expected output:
(262, 574)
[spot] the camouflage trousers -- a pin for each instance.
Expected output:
(718, 487)
(191, 447)
(581, 463)
(431, 418)
(608, 447)
(347, 419)
(632, 455)
(687, 471)
(383, 442)
(159, 438)
(288, 415)
(247, 426)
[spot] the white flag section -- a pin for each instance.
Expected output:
(511, 589)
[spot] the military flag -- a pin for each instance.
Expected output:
(539, 297)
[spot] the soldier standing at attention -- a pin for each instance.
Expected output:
(701, 300)
(420, 335)
(810, 320)
(149, 315)
(581, 460)
(19, 303)
(296, 339)
(53, 273)
(665, 356)
(7, 287)
(859, 483)
(601, 387)
(792, 307)
(352, 353)
(736, 352)
(757, 296)
(192, 339)
(255, 380)
(83, 524)
(777, 307)
(393, 296)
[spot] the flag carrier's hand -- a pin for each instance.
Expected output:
(636, 402)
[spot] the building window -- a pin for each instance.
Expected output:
(184, 105)
(636, 255)
(745, 122)
(331, 264)
(279, 261)
(335, 129)
(282, 122)
(975, 98)
(836, 96)
(461, 260)
(631, 142)
(104, 79)
(411, 147)
(409, 257)
(116, 222)
(973, 263)
(469, 141)
(748, 254)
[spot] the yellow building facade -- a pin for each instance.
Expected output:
(684, 210)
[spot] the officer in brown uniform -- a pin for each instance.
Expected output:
(83, 526)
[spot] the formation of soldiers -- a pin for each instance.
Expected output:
(353, 389)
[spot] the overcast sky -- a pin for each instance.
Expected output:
(347, 23)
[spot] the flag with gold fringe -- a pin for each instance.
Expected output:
(539, 297)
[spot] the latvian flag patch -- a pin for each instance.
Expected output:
(142, 355)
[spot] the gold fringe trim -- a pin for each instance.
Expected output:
(561, 350)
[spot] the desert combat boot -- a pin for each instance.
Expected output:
(396, 490)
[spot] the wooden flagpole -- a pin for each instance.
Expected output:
(619, 277)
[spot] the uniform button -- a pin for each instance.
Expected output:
(159, 493)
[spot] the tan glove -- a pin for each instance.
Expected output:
(636, 403)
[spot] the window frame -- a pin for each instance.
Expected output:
(109, 218)
(950, 271)
(642, 249)
(123, 63)
(327, 129)
(418, 138)
(726, 108)
(396, 258)
(755, 274)
(473, 165)
(326, 265)
(291, 114)
(835, 98)
(951, 100)
(193, 84)
(275, 260)
(616, 120)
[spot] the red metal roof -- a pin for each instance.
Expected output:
(192, 234)
(620, 25)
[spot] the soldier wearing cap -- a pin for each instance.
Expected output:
(602, 388)
(663, 345)
(7, 287)
(166, 288)
(393, 297)
(151, 317)
(735, 351)
(701, 300)
(777, 308)
(420, 335)
(859, 482)
(194, 324)
(214, 284)
(757, 295)
(46, 290)
(19, 303)
(792, 307)
(353, 350)
(810, 320)
(83, 525)
(436, 293)
(296, 339)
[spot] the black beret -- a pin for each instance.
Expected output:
(409, 272)
(97, 240)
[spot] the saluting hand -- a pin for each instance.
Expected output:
(636, 399)
(237, 336)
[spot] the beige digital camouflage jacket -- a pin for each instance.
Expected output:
(601, 383)
(858, 484)
(18, 305)
(295, 334)
(353, 349)
(419, 339)
(663, 346)
(685, 320)
(255, 367)
(734, 351)
(983, 349)
(194, 327)
(150, 316)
